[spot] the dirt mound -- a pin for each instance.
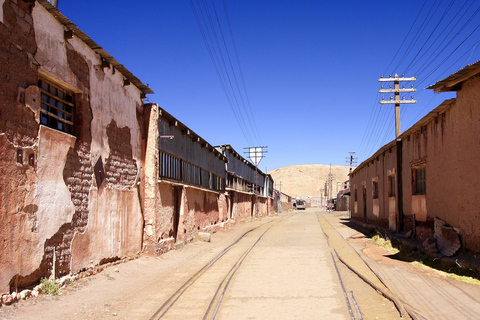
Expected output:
(308, 179)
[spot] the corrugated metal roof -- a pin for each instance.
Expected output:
(94, 46)
(454, 81)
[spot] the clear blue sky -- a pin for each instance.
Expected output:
(310, 69)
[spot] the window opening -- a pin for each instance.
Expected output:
(57, 107)
(420, 180)
(391, 186)
(375, 189)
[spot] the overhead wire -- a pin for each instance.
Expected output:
(428, 60)
(218, 47)
(216, 64)
(227, 16)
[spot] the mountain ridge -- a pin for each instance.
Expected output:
(308, 180)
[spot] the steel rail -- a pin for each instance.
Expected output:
(343, 288)
(222, 287)
(356, 305)
(167, 305)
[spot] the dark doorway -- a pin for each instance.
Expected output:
(232, 203)
(177, 198)
(364, 191)
(253, 206)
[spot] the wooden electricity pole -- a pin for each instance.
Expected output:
(396, 91)
(399, 143)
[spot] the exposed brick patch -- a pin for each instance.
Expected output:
(17, 42)
(120, 167)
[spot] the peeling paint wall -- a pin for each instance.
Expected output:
(50, 203)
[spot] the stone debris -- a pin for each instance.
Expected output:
(205, 236)
(8, 299)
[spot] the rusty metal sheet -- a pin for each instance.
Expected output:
(448, 240)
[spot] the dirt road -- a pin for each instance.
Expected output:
(281, 267)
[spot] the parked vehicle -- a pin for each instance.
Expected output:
(300, 204)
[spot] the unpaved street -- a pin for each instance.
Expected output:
(281, 267)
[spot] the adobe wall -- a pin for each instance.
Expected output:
(50, 204)
(377, 169)
(449, 144)
(240, 206)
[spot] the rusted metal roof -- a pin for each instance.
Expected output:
(70, 26)
(454, 81)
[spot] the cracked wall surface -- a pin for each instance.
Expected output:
(51, 208)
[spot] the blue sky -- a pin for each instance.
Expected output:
(306, 77)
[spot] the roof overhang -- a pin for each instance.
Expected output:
(454, 81)
(71, 27)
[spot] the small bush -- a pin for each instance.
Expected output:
(49, 287)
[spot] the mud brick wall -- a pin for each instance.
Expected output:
(120, 168)
(17, 46)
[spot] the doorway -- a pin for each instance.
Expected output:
(364, 193)
(177, 198)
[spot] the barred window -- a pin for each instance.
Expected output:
(174, 168)
(420, 180)
(57, 107)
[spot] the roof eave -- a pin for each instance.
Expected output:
(94, 46)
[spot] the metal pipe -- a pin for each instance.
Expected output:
(54, 3)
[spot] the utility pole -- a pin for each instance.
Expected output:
(329, 183)
(399, 143)
(396, 91)
(351, 161)
(256, 155)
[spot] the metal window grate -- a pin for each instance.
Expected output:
(174, 168)
(57, 107)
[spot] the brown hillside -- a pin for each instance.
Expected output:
(308, 179)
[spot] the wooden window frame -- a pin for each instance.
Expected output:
(419, 180)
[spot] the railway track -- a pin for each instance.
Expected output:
(212, 271)
(350, 265)
(201, 295)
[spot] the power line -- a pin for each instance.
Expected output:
(208, 21)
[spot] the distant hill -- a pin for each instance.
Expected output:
(308, 179)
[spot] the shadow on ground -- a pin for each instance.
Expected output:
(411, 250)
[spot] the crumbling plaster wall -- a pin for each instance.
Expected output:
(54, 204)
(115, 221)
(18, 134)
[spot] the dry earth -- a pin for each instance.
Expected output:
(308, 179)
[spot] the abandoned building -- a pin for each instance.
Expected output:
(90, 173)
(426, 181)
(249, 190)
(185, 183)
